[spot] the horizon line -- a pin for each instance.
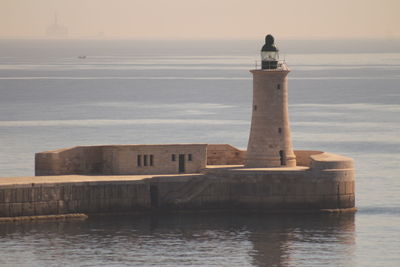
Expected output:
(77, 38)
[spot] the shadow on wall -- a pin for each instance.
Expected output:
(123, 160)
(164, 159)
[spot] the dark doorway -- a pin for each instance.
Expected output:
(282, 154)
(181, 163)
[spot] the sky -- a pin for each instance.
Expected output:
(203, 19)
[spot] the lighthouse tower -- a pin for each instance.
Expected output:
(270, 143)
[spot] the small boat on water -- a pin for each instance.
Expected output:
(81, 57)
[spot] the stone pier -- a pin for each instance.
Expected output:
(323, 182)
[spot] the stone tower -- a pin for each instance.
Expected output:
(270, 143)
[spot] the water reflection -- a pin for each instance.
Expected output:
(182, 240)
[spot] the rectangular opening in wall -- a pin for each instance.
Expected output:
(189, 157)
(278, 86)
(255, 107)
(181, 163)
(139, 160)
(173, 157)
(282, 155)
(145, 160)
(280, 130)
(151, 160)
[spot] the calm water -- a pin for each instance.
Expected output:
(128, 92)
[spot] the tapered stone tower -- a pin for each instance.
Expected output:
(270, 143)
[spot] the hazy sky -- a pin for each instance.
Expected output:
(244, 19)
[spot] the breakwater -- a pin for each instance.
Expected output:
(326, 183)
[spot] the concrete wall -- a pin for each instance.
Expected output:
(121, 159)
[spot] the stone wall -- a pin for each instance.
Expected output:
(64, 198)
(121, 159)
(224, 154)
(328, 184)
(303, 157)
(75, 160)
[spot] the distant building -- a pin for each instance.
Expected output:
(55, 30)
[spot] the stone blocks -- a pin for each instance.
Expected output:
(121, 159)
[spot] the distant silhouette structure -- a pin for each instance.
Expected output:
(55, 30)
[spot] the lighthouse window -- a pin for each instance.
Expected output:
(280, 130)
(255, 107)
(278, 86)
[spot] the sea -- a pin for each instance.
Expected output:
(344, 98)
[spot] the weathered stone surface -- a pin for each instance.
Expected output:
(327, 184)
(224, 154)
(270, 143)
(121, 159)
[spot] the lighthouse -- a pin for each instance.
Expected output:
(270, 143)
(194, 177)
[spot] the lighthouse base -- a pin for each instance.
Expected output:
(270, 162)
